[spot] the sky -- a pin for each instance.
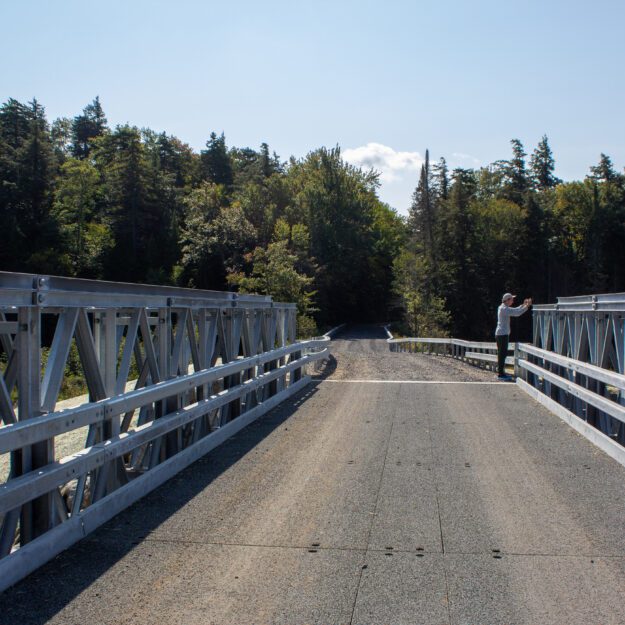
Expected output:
(384, 80)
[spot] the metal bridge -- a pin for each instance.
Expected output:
(386, 486)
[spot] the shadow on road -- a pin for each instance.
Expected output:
(38, 598)
(358, 332)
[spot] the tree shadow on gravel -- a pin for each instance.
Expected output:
(43, 594)
(326, 369)
(356, 332)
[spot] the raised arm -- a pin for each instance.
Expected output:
(518, 310)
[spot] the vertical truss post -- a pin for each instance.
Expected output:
(36, 517)
(230, 334)
(296, 375)
(269, 344)
(171, 365)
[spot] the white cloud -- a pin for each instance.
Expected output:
(385, 160)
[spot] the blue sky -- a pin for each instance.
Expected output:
(384, 80)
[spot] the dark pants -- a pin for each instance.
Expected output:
(502, 352)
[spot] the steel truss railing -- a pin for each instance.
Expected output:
(480, 353)
(589, 398)
(578, 356)
(208, 364)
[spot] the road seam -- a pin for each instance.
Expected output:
(375, 509)
(440, 522)
(517, 554)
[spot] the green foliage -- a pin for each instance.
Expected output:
(274, 273)
(86, 239)
(86, 127)
(215, 162)
(83, 199)
(141, 203)
(542, 165)
(516, 177)
(27, 168)
(424, 314)
(306, 327)
(61, 137)
(214, 239)
(338, 204)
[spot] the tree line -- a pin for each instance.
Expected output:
(510, 226)
(80, 198)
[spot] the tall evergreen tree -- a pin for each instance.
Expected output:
(454, 233)
(88, 126)
(14, 123)
(516, 177)
(120, 157)
(441, 179)
(216, 165)
(14, 131)
(421, 215)
(37, 161)
(604, 171)
(26, 177)
(542, 166)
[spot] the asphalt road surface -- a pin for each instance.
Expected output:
(425, 493)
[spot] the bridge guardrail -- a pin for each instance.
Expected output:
(209, 364)
(480, 353)
(589, 398)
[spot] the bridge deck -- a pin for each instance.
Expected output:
(369, 503)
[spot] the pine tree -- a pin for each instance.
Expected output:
(416, 212)
(88, 126)
(120, 158)
(455, 235)
(265, 160)
(37, 161)
(441, 179)
(27, 169)
(14, 132)
(604, 171)
(14, 123)
(542, 165)
(516, 178)
(216, 165)
(421, 215)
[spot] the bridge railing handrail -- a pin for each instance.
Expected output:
(206, 364)
(449, 341)
(22, 289)
(550, 369)
(576, 366)
(43, 480)
(480, 352)
(589, 398)
(22, 433)
(605, 302)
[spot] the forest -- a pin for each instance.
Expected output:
(79, 198)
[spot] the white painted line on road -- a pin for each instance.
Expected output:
(349, 381)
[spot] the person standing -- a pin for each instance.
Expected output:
(502, 331)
